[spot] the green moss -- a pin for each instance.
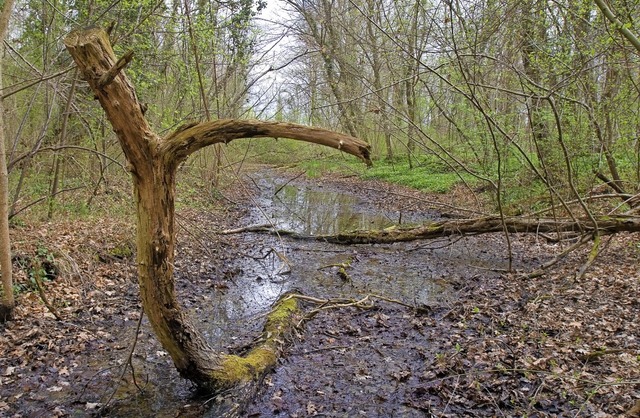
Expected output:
(123, 250)
(281, 314)
(237, 369)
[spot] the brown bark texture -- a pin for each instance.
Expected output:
(153, 162)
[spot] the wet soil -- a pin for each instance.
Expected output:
(474, 341)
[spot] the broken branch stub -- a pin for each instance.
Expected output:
(108, 77)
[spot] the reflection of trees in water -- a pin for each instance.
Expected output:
(319, 212)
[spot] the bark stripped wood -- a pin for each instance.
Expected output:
(153, 163)
(606, 225)
(184, 142)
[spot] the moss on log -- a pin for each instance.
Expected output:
(236, 370)
(606, 225)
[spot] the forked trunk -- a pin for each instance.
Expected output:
(153, 163)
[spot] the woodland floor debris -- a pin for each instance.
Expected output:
(500, 345)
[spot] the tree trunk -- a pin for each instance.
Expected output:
(373, 9)
(8, 301)
(153, 163)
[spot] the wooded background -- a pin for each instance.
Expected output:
(530, 108)
(535, 102)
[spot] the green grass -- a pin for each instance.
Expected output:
(424, 178)
(427, 175)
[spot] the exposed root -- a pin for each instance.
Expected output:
(43, 295)
(366, 302)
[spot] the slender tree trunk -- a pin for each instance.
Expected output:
(410, 84)
(374, 12)
(153, 162)
(533, 34)
(58, 160)
(8, 301)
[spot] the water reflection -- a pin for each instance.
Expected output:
(318, 212)
(270, 266)
(235, 311)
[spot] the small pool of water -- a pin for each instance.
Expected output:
(269, 265)
(262, 267)
(314, 211)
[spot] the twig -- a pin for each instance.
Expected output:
(598, 353)
(540, 271)
(317, 350)
(448, 243)
(593, 254)
(250, 228)
(289, 181)
(455, 387)
(43, 296)
(126, 363)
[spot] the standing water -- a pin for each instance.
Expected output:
(269, 265)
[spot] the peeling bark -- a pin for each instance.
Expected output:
(153, 163)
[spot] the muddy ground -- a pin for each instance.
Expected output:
(474, 341)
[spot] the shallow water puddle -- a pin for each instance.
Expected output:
(262, 267)
(315, 211)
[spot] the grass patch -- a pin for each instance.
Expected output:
(424, 177)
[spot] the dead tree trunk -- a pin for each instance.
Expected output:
(606, 225)
(153, 163)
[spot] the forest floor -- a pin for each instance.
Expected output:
(490, 344)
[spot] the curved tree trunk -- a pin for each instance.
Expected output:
(153, 163)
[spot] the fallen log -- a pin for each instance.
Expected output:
(606, 225)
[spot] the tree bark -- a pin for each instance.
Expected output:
(153, 163)
(8, 302)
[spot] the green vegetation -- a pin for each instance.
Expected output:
(39, 267)
(425, 177)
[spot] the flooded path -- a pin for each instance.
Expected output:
(482, 343)
(415, 273)
(229, 303)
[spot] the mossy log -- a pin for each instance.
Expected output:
(605, 225)
(236, 370)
